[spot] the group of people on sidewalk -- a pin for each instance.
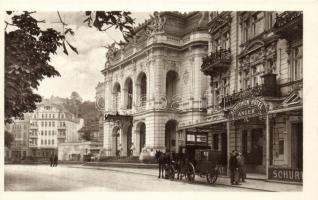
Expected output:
(237, 167)
(53, 160)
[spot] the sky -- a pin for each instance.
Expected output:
(82, 72)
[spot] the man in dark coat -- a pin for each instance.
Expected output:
(51, 160)
(55, 160)
(233, 167)
(241, 166)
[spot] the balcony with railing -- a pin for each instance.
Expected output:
(217, 62)
(268, 89)
(33, 126)
(63, 127)
(289, 25)
(61, 135)
(33, 135)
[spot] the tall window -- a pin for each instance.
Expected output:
(258, 24)
(297, 63)
(246, 80)
(254, 25)
(257, 71)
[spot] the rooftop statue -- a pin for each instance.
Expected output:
(157, 24)
(111, 51)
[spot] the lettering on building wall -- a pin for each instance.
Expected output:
(246, 108)
(285, 174)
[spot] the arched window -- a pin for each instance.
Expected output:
(171, 85)
(128, 93)
(142, 89)
(116, 96)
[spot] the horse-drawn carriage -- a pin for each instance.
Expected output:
(193, 161)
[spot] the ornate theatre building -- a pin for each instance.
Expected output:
(220, 80)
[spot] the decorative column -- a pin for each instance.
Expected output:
(107, 146)
(267, 145)
(228, 145)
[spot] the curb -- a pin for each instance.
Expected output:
(152, 175)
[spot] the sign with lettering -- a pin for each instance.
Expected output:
(248, 108)
(285, 174)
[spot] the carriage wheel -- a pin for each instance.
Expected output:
(212, 177)
(190, 172)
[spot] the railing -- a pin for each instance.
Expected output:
(33, 135)
(32, 145)
(33, 126)
(141, 103)
(287, 17)
(217, 61)
(61, 136)
(61, 127)
(169, 39)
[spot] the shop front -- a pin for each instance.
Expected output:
(286, 155)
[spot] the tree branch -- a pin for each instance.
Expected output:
(107, 28)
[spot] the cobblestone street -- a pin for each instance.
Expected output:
(80, 178)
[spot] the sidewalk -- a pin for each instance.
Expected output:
(253, 184)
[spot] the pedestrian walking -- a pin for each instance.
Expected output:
(55, 160)
(233, 167)
(51, 160)
(241, 167)
(132, 149)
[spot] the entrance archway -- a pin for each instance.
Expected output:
(170, 135)
(128, 140)
(116, 141)
(140, 136)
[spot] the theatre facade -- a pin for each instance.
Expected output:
(220, 80)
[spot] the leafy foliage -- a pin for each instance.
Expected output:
(103, 20)
(27, 56)
(28, 50)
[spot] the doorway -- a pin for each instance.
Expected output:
(297, 146)
(170, 136)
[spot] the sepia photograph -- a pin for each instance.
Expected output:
(176, 101)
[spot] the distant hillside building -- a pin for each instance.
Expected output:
(19, 149)
(51, 124)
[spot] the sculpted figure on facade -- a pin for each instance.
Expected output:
(157, 24)
(111, 51)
